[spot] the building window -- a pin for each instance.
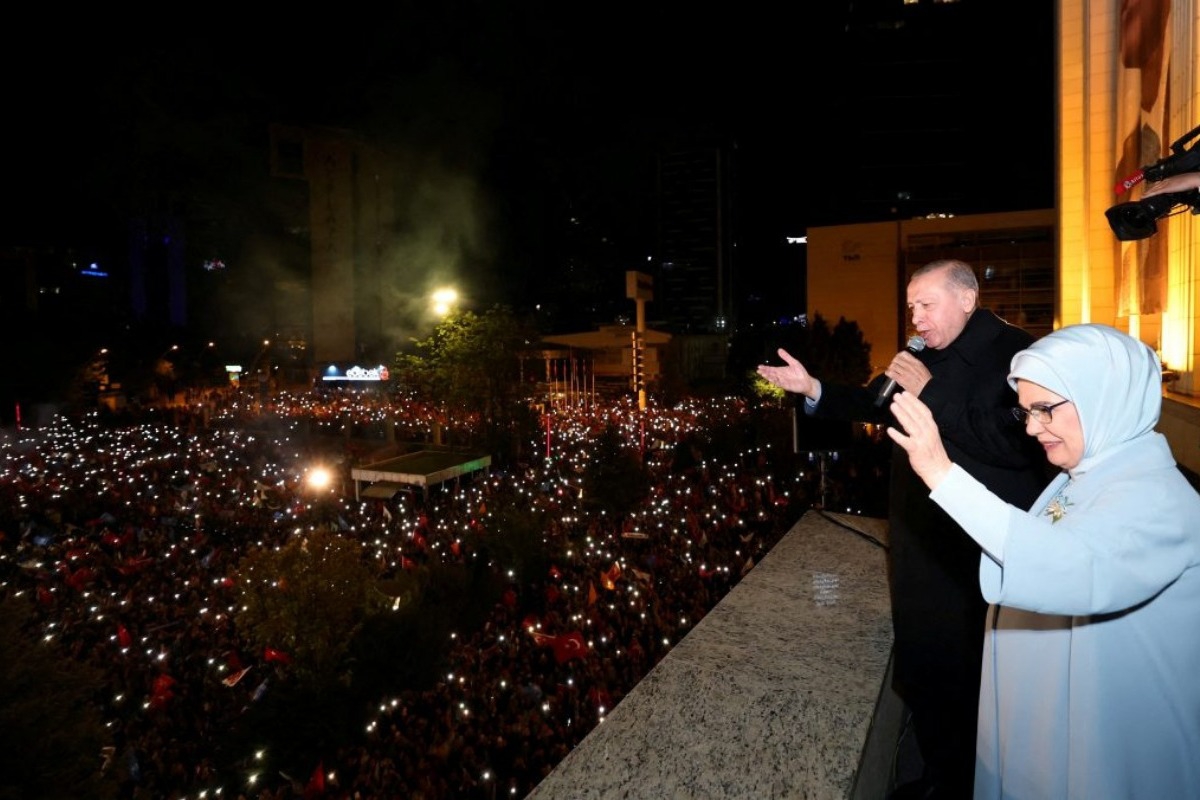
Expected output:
(1015, 267)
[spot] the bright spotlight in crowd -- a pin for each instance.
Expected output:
(319, 478)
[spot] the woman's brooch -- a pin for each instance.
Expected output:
(1057, 508)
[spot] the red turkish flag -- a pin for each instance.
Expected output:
(134, 565)
(232, 680)
(123, 637)
(542, 639)
(80, 578)
(162, 691)
(316, 783)
(608, 579)
(568, 646)
(271, 654)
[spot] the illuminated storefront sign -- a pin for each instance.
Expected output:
(379, 373)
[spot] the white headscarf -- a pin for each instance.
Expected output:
(1114, 380)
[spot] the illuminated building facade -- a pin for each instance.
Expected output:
(860, 271)
(1125, 94)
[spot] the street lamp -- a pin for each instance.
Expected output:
(443, 301)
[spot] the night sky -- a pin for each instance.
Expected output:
(538, 109)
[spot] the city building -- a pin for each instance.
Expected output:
(694, 275)
(345, 212)
(860, 271)
(1126, 97)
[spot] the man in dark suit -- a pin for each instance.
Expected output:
(937, 609)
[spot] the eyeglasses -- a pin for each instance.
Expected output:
(1042, 413)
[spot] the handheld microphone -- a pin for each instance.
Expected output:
(914, 345)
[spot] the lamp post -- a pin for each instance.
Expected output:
(639, 287)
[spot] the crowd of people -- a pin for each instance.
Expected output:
(129, 538)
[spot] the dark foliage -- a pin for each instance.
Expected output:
(615, 479)
(49, 698)
(839, 354)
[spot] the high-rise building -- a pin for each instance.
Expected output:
(695, 270)
(348, 217)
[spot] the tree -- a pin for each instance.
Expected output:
(515, 542)
(471, 365)
(615, 480)
(401, 643)
(847, 357)
(408, 648)
(305, 601)
(838, 355)
(50, 725)
(762, 388)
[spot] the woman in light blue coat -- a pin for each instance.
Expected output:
(1091, 673)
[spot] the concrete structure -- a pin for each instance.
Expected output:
(781, 691)
(422, 469)
(611, 348)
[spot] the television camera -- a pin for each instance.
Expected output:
(1139, 219)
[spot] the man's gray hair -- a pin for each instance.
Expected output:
(959, 274)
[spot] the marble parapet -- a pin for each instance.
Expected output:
(781, 691)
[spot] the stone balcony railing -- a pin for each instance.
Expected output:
(781, 691)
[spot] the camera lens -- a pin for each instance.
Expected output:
(1138, 220)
